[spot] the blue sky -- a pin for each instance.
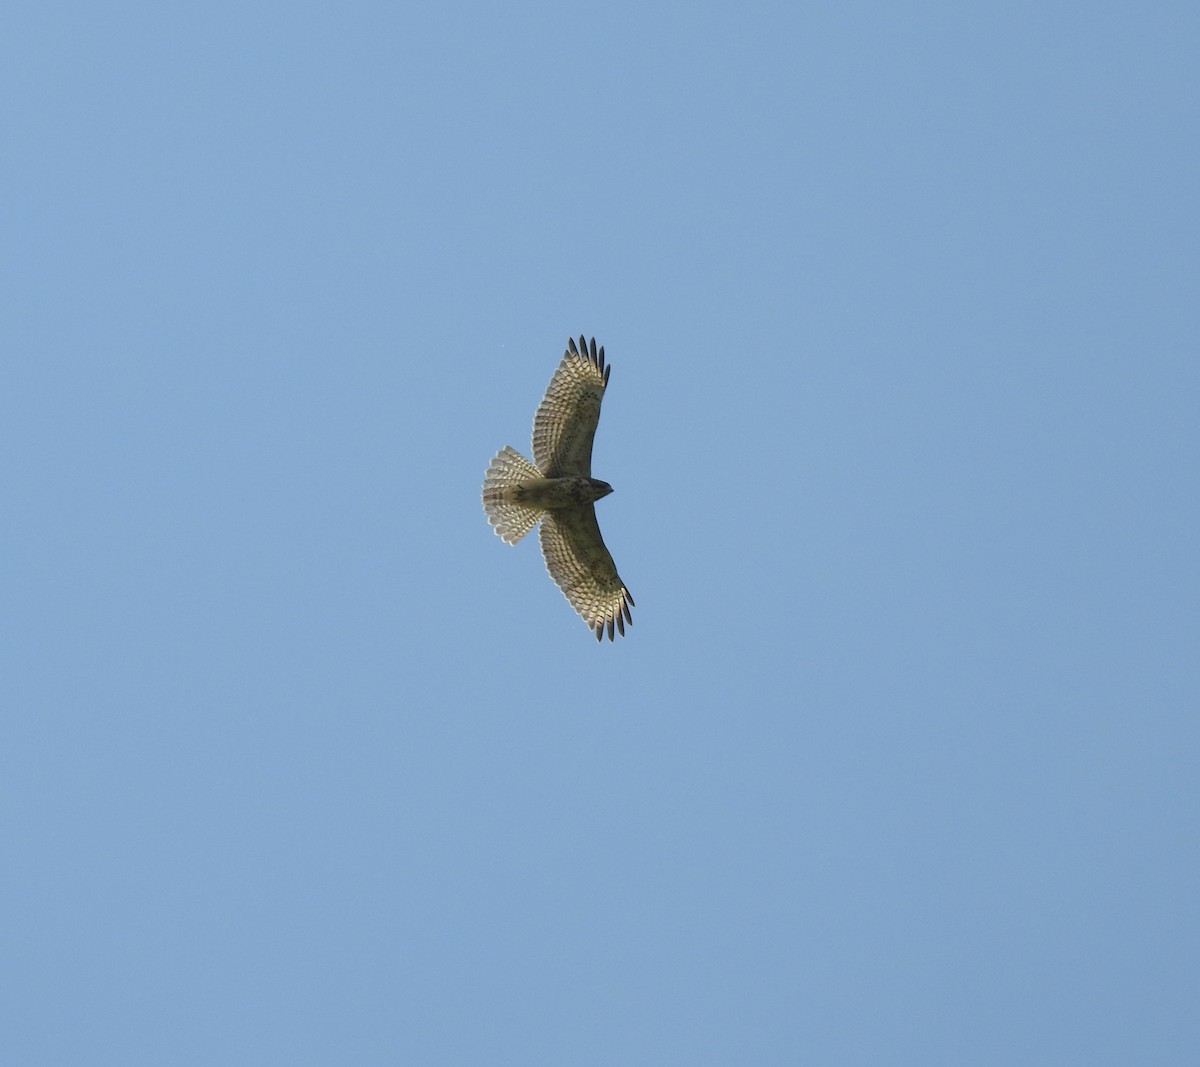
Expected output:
(897, 765)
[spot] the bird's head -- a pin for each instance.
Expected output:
(599, 488)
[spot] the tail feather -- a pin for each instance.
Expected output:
(508, 469)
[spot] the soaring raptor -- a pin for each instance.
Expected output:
(560, 491)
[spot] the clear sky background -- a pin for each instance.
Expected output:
(898, 764)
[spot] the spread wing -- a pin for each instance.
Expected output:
(566, 419)
(581, 566)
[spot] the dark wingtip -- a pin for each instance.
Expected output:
(589, 351)
(615, 623)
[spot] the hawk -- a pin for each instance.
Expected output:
(560, 491)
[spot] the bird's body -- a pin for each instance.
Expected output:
(571, 491)
(560, 492)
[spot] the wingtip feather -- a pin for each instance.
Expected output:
(589, 350)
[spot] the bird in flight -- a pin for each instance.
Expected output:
(561, 492)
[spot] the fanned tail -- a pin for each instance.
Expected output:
(507, 471)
